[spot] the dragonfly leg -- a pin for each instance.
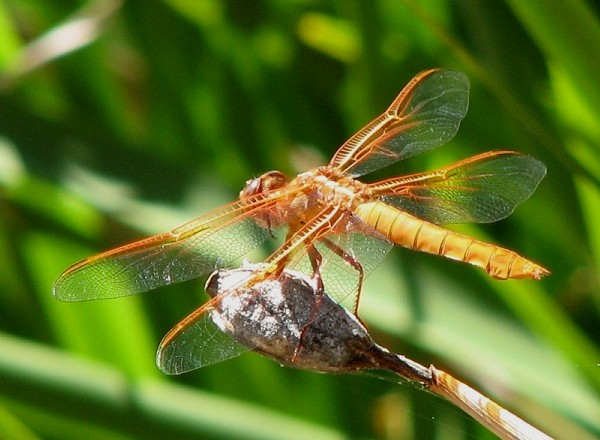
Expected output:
(316, 259)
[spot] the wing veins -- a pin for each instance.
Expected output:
(151, 262)
(481, 188)
(425, 97)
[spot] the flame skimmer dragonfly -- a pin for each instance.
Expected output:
(338, 228)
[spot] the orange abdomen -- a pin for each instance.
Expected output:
(414, 233)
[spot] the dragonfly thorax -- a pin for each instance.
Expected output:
(332, 188)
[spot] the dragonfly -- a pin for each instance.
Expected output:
(336, 228)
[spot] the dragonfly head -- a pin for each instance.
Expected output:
(267, 182)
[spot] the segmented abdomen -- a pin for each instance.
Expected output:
(414, 233)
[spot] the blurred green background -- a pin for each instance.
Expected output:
(119, 120)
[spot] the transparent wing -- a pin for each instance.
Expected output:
(196, 342)
(189, 251)
(425, 115)
(480, 189)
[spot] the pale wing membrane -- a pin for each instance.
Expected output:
(425, 115)
(481, 189)
(187, 252)
(196, 342)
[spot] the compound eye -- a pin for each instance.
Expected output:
(267, 182)
(253, 186)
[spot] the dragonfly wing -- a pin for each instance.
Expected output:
(196, 342)
(425, 115)
(187, 252)
(480, 189)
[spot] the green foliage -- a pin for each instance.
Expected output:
(121, 120)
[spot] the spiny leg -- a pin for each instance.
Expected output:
(316, 259)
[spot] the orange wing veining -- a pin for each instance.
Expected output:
(195, 248)
(425, 115)
(414, 233)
